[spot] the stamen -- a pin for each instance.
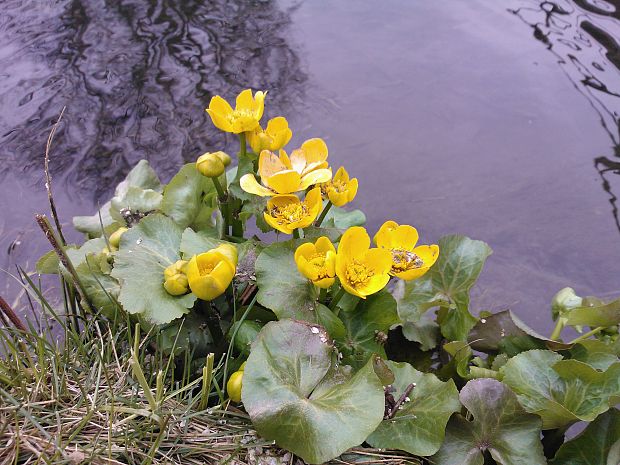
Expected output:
(405, 260)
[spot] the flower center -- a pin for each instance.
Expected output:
(318, 263)
(405, 260)
(358, 273)
(205, 269)
(339, 186)
(240, 114)
(291, 213)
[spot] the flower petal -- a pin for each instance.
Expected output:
(354, 244)
(219, 121)
(403, 237)
(245, 101)
(324, 245)
(315, 177)
(221, 106)
(250, 185)
(269, 164)
(315, 150)
(382, 238)
(284, 182)
(306, 251)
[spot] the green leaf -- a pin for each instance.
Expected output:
(247, 332)
(281, 287)
(499, 426)
(418, 427)
(598, 444)
(48, 263)
(447, 284)
(101, 289)
(561, 391)
(183, 196)
(191, 334)
(423, 330)
(342, 219)
(596, 315)
(295, 395)
(92, 246)
(374, 315)
(504, 332)
(145, 252)
(91, 225)
(194, 243)
(461, 355)
(136, 200)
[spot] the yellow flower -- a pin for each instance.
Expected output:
(274, 137)
(340, 190)
(408, 261)
(246, 115)
(234, 385)
(229, 251)
(362, 271)
(283, 175)
(175, 280)
(317, 262)
(286, 212)
(209, 274)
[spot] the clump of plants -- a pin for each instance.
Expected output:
(329, 336)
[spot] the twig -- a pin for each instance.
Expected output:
(62, 256)
(400, 401)
(11, 315)
(48, 177)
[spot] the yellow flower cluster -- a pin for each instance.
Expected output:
(207, 275)
(363, 270)
(281, 177)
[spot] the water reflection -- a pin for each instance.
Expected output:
(135, 77)
(571, 30)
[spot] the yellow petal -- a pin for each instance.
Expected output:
(403, 237)
(324, 245)
(306, 251)
(250, 185)
(350, 289)
(286, 161)
(284, 182)
(259, 104)
(219, 121)
(229, 251)
(315, 177)
(213, 281)
(298, 160)
(269, 164)
(352, 189)
(382, 238)
(313, 199)
(271, 221)
(379, 260)
(324, 283)
(220, 106)
(282, 200)
(315, 150)
(337, 198)
(354, 243)
(341, 175)
(375, 284)
(245, 101)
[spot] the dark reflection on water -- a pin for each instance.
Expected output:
(448, 112)
(575, 33)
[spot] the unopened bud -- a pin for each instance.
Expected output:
(210, 165)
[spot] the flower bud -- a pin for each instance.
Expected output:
(177, 267)
(224, 157)
(233, 387)
(176, 284)
(564, 301)
(210, 165)
(115, 237)
(229, 251)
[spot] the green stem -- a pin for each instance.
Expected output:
(222, 198)
(296, 233)
(336, 299)
(221, 193)
(323, 213)
(322, 295)
(242, 144)
(559, 326)
(587, 335)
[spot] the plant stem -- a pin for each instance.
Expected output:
(222, 198)
(322, 295)
(336, 299)
(587, 335)
(323, 213)
(559, 326)
(213, 322)
(242, 144)
(296, 233)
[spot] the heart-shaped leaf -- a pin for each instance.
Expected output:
(499, 426)
(596, 314)
(183, 196)
(296, 396)
(145, 252)
(447, 284)
(504, 332)
(418, 427)
(101, 289)
(366, 326)
(598, 444)
(561, 391)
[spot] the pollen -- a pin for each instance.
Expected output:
(405, 260)
(358, 273)
(319, 264)
(289, 214)
(205, 269)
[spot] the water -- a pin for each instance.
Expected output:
(495, 119)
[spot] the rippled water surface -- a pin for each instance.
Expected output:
(493, 118)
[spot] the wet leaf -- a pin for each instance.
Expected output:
(447, 285)
(145, 252)
(504, 332)
(499, 425)
(289, 399)
(101, 289)
(372, 316)
(598, 314)
(418, 427)
(598, 444)
(561, 391)
(183, 196)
